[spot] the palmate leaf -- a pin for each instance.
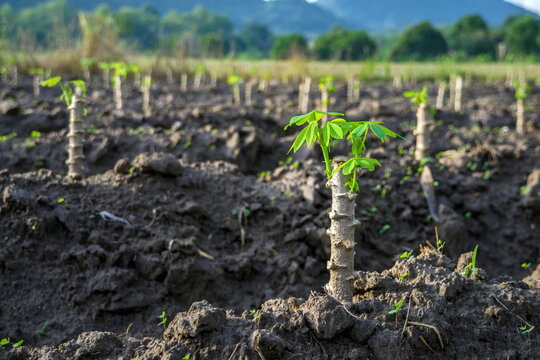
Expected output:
(300, 119)
(359, 131)
(335, 131)
(52, 81)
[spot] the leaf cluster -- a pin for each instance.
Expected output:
(325, 133)
(327, 83)
(522, 89)
(67, 91)
(234, 80)
(419, 97)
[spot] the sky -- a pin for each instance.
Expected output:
(530, 4)
(533, 5)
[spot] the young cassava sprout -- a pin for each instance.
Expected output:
(74, 99)
(522, 90)
(234, 81)
(342, 179)
(326, 86)
(420, 99)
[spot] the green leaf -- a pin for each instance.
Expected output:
(388, 132)
(365, 164)
(349, 166)
(300, 119)
(359, 131)
(335, 130)
(300, 139)
(311, 134)
(410, 94)
(329, 113)
(52, 81)
(378, 131)
(326, 132)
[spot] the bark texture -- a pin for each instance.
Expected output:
(440, 96)
(75, 135)
(421, 132)
(459, 88)
(341, 233)
(520, 117)
(146, 96)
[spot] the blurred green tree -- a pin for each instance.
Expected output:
(288, 46)
(522, 35)
(470, 37)
(419, 42)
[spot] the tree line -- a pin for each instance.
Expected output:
(201, 33)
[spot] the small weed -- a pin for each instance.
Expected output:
(406, 255)
(526, 265)
(403, 276)
(43, 328)
(468, 215)
(4, 341)
(18, 344)
(384, 229)
(397, 307)
(39, 164)
(163, 318)
(187, 144)
(4, 138)
(471, 267)
(263, 174)
(526, 329)
(60, 200)
(255, 313)
(131, 170)
(188, 357)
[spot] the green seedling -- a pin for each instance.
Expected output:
(18, 344)
(163, 318)
(471, 267)
(406, 255)
(341, 176)
(526, 265)
(188, 357)
(403, 276)
(526, 329)
(42, 328)
(522, 90)
(397, 307)
(4, 138)
(60, 200)
(384, 229)
(4, 341)
(255, 313)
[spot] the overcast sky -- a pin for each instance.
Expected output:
(530, 4)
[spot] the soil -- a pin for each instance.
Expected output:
(196, 211)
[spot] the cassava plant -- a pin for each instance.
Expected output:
(199, 74)
(146, 85)
(457, 93)
(522, 92)
(121, 70)
(420, 99)
(343, 180)
(106, 70)
(37, 75)
(234, 81)
(440, 95)
(86, 66)
(14, 70)
(303, 94)
(326, 86)
(73, 94)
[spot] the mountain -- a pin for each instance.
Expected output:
(396, 14)
(311, 18)
(282, 16)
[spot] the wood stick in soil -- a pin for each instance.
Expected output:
(341, 233)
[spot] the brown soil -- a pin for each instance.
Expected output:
(205, 237)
